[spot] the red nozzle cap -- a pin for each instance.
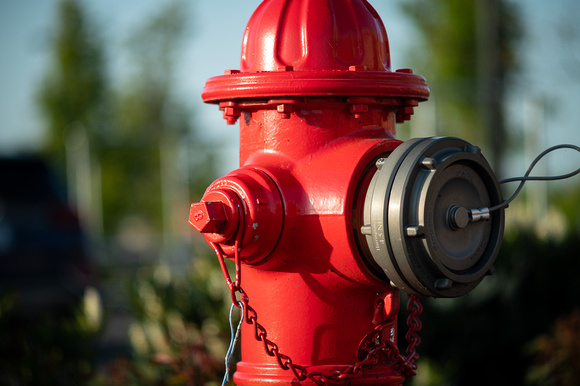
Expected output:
(217, 216)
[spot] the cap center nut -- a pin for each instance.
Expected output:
(457, 217)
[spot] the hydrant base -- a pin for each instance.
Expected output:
(262, 374)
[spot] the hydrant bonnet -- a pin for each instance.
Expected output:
(315, 48)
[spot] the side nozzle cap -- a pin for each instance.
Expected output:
(417, 224)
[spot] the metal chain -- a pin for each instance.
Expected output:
(414, 325)
(387, 349)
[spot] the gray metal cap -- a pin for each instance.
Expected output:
(418, 221)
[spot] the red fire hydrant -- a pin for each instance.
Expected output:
(329, 216)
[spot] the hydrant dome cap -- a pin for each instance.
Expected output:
(312, 35)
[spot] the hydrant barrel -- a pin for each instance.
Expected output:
(309, 213)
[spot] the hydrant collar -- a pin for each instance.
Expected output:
(235, 85)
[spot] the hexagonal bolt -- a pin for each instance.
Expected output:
(207, 217)
(357, 109)
(357, 67)
(473, 149)
(415, 231)
(285, 110)
(443, 284)
(380, 163)
(231, 111)
(430, 163)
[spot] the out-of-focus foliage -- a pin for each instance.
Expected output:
(143, 152)
(452, 53)
(449, 33)
(50, 348)
(149, 123)
(568, 201)
(178, 335)
(491, 335)
(132, 143)
(179, 332)
(74, 90)
(557, 353)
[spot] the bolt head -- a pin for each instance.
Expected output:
(457, 217)
(207, 217)
(357, 67)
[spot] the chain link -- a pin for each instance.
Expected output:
(388, 349)
(414, 325)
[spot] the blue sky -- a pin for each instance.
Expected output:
(549, 56)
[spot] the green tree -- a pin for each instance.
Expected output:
(126, 150)
(73, 99)
(74, 91)
(153, 130)
(467, 52)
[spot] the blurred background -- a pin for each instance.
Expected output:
(105, 142)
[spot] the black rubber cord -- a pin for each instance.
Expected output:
(526, 177)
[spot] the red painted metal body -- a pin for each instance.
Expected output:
(317, 105)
